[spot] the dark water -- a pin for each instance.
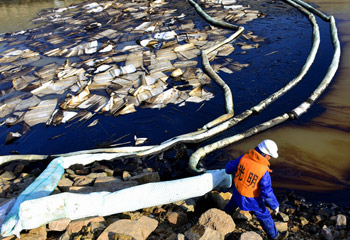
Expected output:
(16, 15)
(314, 150)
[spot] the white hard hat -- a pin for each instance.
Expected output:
(269, 147)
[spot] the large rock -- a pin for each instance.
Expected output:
(64, 184)
(99, 169)
(250, 236)
(103, 186)
(341, 221)
(139, 229)
(174, 236)
(119, 236)
(242, 215)
(282, 216)
(318, 218)
(77, 225)
(303, 221)
(35, 234)
(178, 218)
(7, 176)
(90, 232)
(200, 232)
(19, 169)
(188, 205)
(111, 184)
(64, 236)
(281, 226)
(12, 237)
(96, 175)
(81, 189)
(327, 233)
(220, 198)
(218, 220)
(59, 225)
(82, 181)
(146, 177)
(126, 175)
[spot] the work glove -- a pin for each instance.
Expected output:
(276, 210)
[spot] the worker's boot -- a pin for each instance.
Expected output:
(283, 235)
(280, 236)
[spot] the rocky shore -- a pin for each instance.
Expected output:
(199, 218)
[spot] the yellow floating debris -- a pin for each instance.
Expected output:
(185, 63)
(119, 58)
(93, 123)
(171, 95)
(166, 54)
(129, 108)
(74, 101)
(47, 72)
(177, 72)
(9, 59)
(196, 92)
(225, 50)
(91, 101)
(190, 54)
(135, 59)
(184, 47)
(226, 70)
(139, 141)
(236, 66)
(160, 66)
(19, 83)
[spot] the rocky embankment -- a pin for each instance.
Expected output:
(199, 218)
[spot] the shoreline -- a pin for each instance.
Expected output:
(178, 220)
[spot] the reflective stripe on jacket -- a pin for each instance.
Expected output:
(252, 167)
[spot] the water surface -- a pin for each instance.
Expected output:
(314, 150)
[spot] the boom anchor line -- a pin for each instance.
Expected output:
(39, 190)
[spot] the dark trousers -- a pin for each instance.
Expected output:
(263, 215)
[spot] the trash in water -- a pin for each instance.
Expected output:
(139, 141)
(40, 113)
(131, 62)
(11, 137)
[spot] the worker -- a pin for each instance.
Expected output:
(252, 186)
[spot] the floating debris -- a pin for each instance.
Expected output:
(129, 108)
(11, 137)
(113, 63)
(165, 35)
(93, 123)
(28, 103)
(177, 72)
(139, 141)
(171, 95)
(236, 66)
(102, 68)
(40, 113)
(225, 50)
(75, 101)
(248, 46)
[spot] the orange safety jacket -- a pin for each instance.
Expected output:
(251, 168)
